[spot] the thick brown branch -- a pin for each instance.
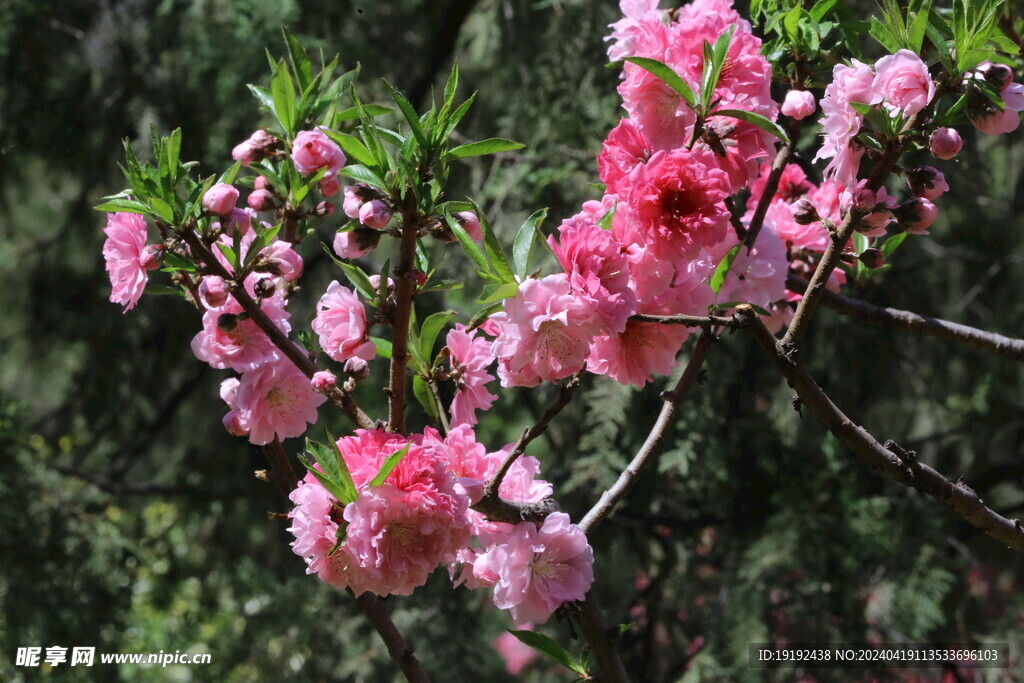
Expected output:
(648, 451)
(404, 291)
(281, 472)
(398, 647)
(894, 318)
(290, 349)
(888, 458)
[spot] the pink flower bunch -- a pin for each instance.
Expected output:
(125, 254)
(341, 323)
(850, 84)
(230, 339)
(470, 355)
(993, 120)
(275, 400)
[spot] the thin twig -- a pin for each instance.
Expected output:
(398, 646)
(889, 458)
(404, 292)
(648, 451)
(894, 318)
(290, 349)
(771, 186)
(601, 640)
(281, 472)
(703, 322)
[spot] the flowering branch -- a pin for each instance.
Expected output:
(398, 646)
(889, 458)
(404, 292)
(293, 352)
(771, 186)
(281, 472)
(705, 322)
(597, 633)
(895, 318)
(647, 453)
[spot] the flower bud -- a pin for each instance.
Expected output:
(233, 423)
(927, 182)
(375, 214)
(264, 288)
(946, 143)
(804, 212)
(799, 104)
(872, 258)
(152, 256)
(356, 243)
(420, 277)
(220, 199)
(323, 380)
(999, 75)
(330, 186)
(375, 281)
(323, 209)
(260, 200)
(352, 202)
(240, 220)
(357, 368)
(260, 183)
(227, 322)
(470, 223)
(213, 291)
(917, 215)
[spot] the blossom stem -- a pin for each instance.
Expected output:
(404, 293)
(771, 186)
(888, 458)
(281, 471)
(704, 322)
(648, 451)
(291, 350)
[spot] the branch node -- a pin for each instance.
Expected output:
(798, 405)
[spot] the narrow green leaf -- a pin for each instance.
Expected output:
(363, 174)
(497, 292)
(359, 280)
(353, 147)
(884, 35)
(918, 27)
(722, 271)
(522, 247)
(484, 313)
(283, 90)
(821, 9)
(452, 84)
(300, 60)
(429, 331)
(264, 97)
(666, 74)
(383, 347)
(410, 115)
(124, 206)
(344, 475)
(468, 244)
(792, 24)
(332, 486)
(425, 396)
(489, 146)
(445, 285)
(714, 59)
(890, 245)
(495, 252)
(389, 465)
(352, 113)
(546, 646)
(172, 152)
(162, 209)
(454, 207)
(761, 122)
(230, 174)
(175, 261)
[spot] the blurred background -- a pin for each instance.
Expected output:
(131, 521)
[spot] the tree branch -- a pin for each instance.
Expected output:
(398, 647)
(704, 322)
(648, 451)
(771, 185)
(291, 350)
(889, 458)
(404, 291)
(597, 633)
(281, 472)
(895, 318)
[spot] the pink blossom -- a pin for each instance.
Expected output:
(253, 149)
(660, 112)
(213, 291)
(229, 340)
(799, 104)
(313, 524)
(638, 353)
(638, 31)
(323, 381)
(535, 571)
(355, 243)
(927, 182)
(375, 214)
(329, 185)
(470, 355)
(313, 150)
(352, 202)
(757, 276)
(945, 143)
(623, 149)
(677, 202)
(545, 332)
(1004, 120)
(516, 653)
(842, 122)
(470, 222)
(123, 252)
(275, 399)
(341, 323)
(284, 260)
(902, 83)
(260, 200)
(220, 199)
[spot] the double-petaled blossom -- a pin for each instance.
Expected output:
(470, 355)
(275, 400)
(902, 83)
(312, 150)
(231, 339)
(341, 323)
(123, 252)
(842, 122)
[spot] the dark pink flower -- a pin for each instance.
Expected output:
(470, 356)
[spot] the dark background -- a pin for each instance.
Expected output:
(130, 521)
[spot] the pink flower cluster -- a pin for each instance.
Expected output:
(395, 534)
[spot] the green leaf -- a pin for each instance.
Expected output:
(918, 27)
(497, 292)
(884, 35)
(383, 347)
(666, 74)
(714, 58)
(454, 207)
(230, 174)
(162, 209)
(429, 330)
(452, 84)
(488, 146)
(358, 279)
(722, 271)
(389, 464)
(283, 91)
(263, 238)
(494, 249)
(444, 286)
(484, 313)
(522, 247)
(410, 115)
(468, 244)
(425, 396)
(264, 97)
(175, 261)
(792, 24)
(352, 113)
(333, 487)
(172, 152)
(546, 646)
(750, 117)
(860, 242)
(353, 147)
(363, 174)
(890, 245)
(821, 9)
(124, 206)
(300, 60)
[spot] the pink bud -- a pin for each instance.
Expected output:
(470, 223)
(946, 143)
(220, 199)
(375, 281)
(918, 215)
(872, 258)
(240, 220)
(420, 277)
(323, 209)
(927, 182)
(260, 200)
(323, 381)
(313, 150)
(375, 214)
(798, 104)
(355, 243)
(233, 423)
(260, 183)
(357, 368)
(353, 202)
(330, 186)
(152, 256)
(244, 151)
(213, 291)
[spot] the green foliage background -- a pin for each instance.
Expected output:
(130, 521)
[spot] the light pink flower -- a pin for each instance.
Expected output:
(638, 31)
(639, 352)
(516, 653)
(902, 83)
(677, 202)
(356, 243)
(757, 276)
(470, 356)
(220, 199)
(538, 570)
(842, 122)
(545, 332)
(1007, 119)
(341, 323)
(230, 341)
(799, 104)
(313, 524)
(123, 253)
(323, 381)
(660, 112)
(275, 399)
(285, 261)
(945, 143)
(313, 150)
